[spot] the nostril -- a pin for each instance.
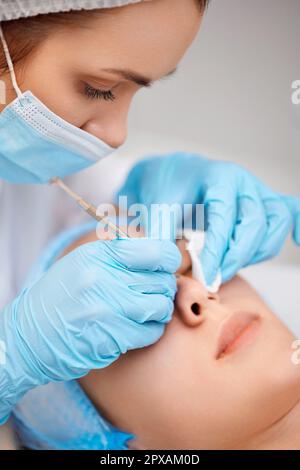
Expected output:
(195, 307)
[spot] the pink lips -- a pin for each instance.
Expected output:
(236, 331)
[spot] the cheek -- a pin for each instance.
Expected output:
(183, 363)
(61, 94)
(213, 402)
(192, 400)
(239, 295)
(197, 402)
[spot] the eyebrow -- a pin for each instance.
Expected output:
(136, 77)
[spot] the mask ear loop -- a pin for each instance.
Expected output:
(10, 64)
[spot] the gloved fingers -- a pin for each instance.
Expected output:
(142, 254)
(108, 333)
(154, 283)
(146, 334)
(150, 307)
(220, 214)
(138, 186)
(136, 336)
(293, 204)
(101, 345)
(131, 186)
(165, 220)
(250, 230)
(279, 224)
(296, 231)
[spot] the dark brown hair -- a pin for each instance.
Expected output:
(24, 35)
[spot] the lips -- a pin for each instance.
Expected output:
(237, 330)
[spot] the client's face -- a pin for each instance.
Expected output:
(221, 373)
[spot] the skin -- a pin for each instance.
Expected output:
(175, 394)
(166, 28)
(148, 38)
(184, 396)
(7, 439)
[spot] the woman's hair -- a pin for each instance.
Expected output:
(24, 35)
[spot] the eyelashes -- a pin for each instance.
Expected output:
(97, 94)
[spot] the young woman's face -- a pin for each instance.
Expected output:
(221, 374)
(71, 71)
(208, 383)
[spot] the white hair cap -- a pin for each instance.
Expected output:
(15, 9)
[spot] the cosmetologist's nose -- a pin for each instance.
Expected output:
(113, 134)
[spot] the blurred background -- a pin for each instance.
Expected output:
(230, 99)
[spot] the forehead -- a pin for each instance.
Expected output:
(150, 37)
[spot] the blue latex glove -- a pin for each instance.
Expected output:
(293, 204)
(246, 222)
(99, 301)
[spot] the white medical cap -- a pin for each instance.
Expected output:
(15, 9)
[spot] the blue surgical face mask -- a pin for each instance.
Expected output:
(36, 145)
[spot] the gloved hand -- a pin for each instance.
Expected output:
(293, 205)
(246, 222)
(97, 302)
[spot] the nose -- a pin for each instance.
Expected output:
(113, 133)
(192, 300)
(109, 123)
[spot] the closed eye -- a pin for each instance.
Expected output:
(97, 94)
